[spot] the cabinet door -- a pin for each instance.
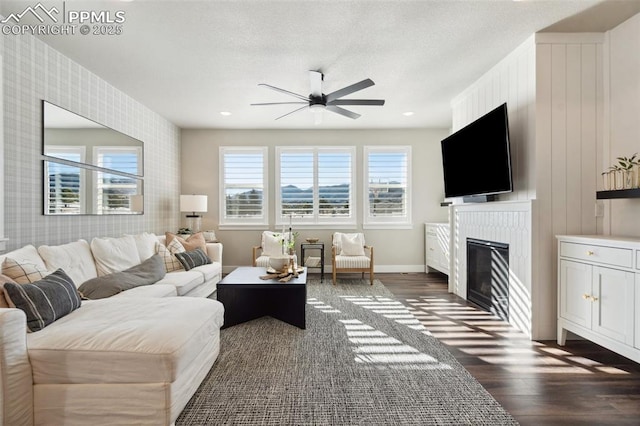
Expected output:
(637, 311)
(613, 299)
(575, 289)
(432, 250)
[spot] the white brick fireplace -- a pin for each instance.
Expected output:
(509, 223)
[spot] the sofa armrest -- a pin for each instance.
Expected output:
(16, 387)
(214, 251)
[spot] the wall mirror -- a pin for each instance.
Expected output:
(71, 190)
(71, 137)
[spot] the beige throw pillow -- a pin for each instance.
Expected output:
(191, 243)
(171, 263)
(23, 272)
(3, 280)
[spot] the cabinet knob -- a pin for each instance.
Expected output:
(590, 253)
(586, 296)
(593, 298)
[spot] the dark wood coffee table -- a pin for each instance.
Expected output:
(246, 297)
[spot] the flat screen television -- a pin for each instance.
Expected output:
(476, 159)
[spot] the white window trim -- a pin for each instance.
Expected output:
(243, 224)
(102, 150)
(316, 222)
(369, 222)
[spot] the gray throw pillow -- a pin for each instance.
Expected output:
(46, 300)
(191, 259)
(146, 273)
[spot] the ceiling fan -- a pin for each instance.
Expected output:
(318, 101)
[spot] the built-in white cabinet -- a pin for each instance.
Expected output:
(599, 291)
(437, 247)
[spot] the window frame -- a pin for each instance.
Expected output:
(386, 222)
(243, 223)
(316, 221)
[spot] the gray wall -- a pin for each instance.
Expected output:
(395, 250)
(33, 71)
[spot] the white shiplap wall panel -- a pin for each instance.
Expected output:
(622, 117)
(553, 88)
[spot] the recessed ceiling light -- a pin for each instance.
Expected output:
(408, 113)
(225, 113)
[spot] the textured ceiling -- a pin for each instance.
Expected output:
(190, 60)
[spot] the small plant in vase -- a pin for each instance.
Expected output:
(625, 165)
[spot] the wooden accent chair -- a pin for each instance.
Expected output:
(270, 245)
(349, 253)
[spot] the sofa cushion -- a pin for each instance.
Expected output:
(183, 281)
(192, 259)
(191, 243)
(152, 341)
(146, 244)
(146, 273)
(155, 290)
(44, 301)
(74, 258)
(23, 272)
(209, 271)
(114, 254)
(171, 263)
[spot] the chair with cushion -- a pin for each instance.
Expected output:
(349, 253)
(270, 245)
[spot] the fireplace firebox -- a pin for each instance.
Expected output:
(488, 276)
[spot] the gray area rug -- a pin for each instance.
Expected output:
(364, 359)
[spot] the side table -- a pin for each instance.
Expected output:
(310, 261)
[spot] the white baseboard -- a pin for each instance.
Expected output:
(382, 269)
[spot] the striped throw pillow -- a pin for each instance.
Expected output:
(191, 259)
(44, 301)
(23, 272)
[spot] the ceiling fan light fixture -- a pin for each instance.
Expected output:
(408, 113)
(225, 113)
(318, 101)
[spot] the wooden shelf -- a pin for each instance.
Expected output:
(618, 193)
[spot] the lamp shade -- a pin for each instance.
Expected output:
(193, 203)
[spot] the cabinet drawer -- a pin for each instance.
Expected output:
(592, 253)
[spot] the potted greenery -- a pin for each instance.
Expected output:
(625, 165)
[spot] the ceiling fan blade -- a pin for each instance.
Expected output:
(277, 89)
(295, 110)
(342, 111)
(376, 102)
(281, 103)
(316, 78)
(350, 89)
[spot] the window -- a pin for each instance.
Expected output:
(315, 186)
(113, 191)
(64, 183)
(243, 174)
(387, 195)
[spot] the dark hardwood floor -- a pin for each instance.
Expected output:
(539, 383)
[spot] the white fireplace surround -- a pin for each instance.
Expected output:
(507, 222)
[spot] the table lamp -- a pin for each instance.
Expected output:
(193, 204)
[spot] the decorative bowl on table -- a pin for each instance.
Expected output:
(312, 240)
(278, 263)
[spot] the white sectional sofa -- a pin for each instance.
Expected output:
(134, 358)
